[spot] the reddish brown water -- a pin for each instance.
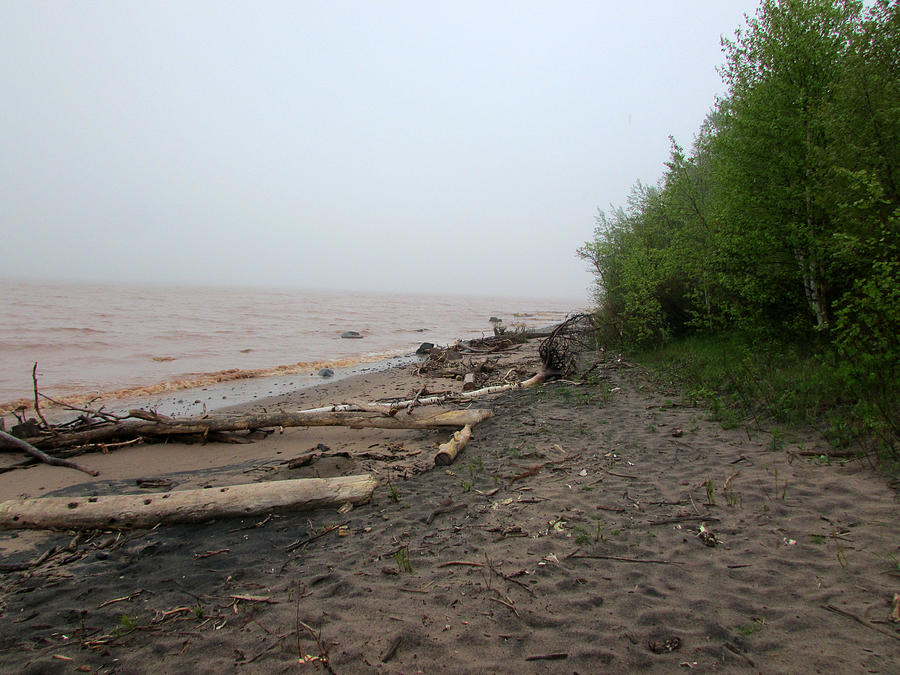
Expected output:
(90, 339)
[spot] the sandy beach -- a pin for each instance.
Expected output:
(598, 526)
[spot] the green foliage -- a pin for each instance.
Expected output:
(401, 557)
(782, 224)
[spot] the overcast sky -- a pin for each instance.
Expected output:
(431, 146)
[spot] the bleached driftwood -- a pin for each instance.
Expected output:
(306, 418)
(8, 441)
(391, 408)
(447, 451)
(185, 506)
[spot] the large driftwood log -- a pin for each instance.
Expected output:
(308, 418)
(185, 506)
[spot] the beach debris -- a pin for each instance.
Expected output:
(154, 483)
(210, 554)
(10, 442)
(469, 382)
(326, 372)
(392, 649)
(707, 537)
(303, 542)
(548, 657)
(895, 614)
(447, 451)
(195, 505)
(425, 348)
(204, 426)
(859, 620)
(665, 646)
(351, 335)
(447, 508)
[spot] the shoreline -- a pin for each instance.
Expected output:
(125, 343)
(567, 536)
(169, 397)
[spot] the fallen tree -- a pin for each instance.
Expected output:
(184, 506)
(131, 428)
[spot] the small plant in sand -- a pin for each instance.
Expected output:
(475, 466)
(728, 491)
(401, 557)
(783, 484)
(466, 485)
(839, 548)
(710, 492)
(393, 495)
(127, 624)
(752, 627)
(777, 441)
(582, 537)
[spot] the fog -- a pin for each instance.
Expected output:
(446, 147)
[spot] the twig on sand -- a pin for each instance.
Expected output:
(734, 650)
(681, 519)
(610, 508)
(850, 615)
(442, 510)
(392, 649)
(124, 598)
(548, 657)
(575, 555)
(29, 449)
(302, 542)
(464, 563)
(618, 475)
(506, 604)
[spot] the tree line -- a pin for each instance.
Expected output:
(780, 222)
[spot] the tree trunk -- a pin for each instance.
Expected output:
(184, 506)
(205, 425)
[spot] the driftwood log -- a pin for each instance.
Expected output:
(393, 408)
(206, 425)
(8, 441)
(448, 451)
(184, 506)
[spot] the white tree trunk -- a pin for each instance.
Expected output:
(184, 506)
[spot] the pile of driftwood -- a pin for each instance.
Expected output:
(99, 430)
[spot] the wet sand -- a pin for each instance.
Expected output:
(586, 528)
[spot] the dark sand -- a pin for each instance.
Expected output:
(564, 539)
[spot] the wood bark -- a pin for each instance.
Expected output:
(392, 408)
(312, 418)
(10, 441)
(185, 506)
(448, 451)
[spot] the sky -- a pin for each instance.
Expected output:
(430, 147)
